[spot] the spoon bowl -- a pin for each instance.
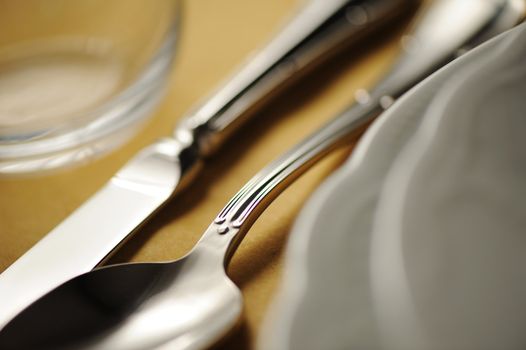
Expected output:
(133, 306)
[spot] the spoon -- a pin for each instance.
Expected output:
(191, 302)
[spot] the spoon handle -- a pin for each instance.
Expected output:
(230, 226)
(234, 220)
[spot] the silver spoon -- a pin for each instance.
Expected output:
(191, 302)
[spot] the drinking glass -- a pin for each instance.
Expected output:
(77, 77)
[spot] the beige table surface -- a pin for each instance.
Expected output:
(216, 37)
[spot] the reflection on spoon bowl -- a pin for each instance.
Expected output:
(132, 306)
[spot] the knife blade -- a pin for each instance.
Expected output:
(151, 178)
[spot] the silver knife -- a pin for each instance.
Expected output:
(146, 182)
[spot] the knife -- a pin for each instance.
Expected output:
(92, 232)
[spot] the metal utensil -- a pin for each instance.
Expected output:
(189, 303)
(95, 229)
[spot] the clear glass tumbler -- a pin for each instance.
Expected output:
(77, 77)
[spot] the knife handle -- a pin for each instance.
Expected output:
(318, 30)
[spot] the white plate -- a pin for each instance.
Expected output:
(449, 262)
(325, 299)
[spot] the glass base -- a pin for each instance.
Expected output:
(62, 109)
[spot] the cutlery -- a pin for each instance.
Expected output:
(93, 231)
(191, 302)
